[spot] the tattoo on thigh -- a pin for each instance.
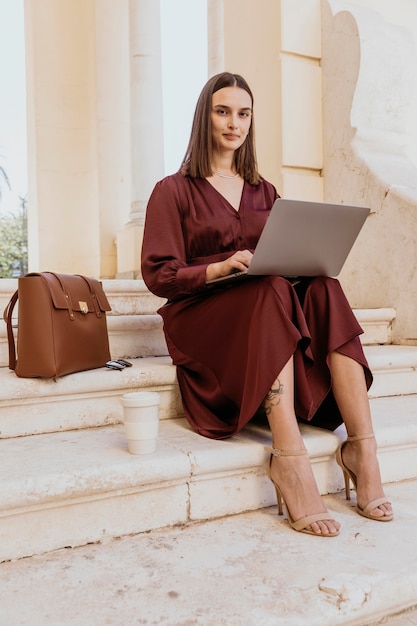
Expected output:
(273, 397)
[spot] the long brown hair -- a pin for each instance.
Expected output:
(198, 157)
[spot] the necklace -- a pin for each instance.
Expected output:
(226, 176)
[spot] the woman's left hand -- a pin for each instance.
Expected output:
(238, 262)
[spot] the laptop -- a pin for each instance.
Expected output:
(303, 239)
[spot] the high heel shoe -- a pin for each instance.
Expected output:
(350, 476)
(301, 524)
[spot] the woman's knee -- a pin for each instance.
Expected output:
(278, 282)
(320, 285)
(325, 280)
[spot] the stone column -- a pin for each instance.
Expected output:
(146, 127)
(63, 223)
(215, 24)
(112, 124)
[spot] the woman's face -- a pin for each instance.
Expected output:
(231, 117)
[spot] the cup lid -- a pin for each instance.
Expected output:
(141, 398)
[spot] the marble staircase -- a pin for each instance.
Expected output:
(68, 480)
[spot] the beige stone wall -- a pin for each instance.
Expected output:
(320, 135)
(253, 50)
(277, 47)
(402, 13)
(365, 156)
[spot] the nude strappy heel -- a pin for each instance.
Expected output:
(301, 524)
(350, 476)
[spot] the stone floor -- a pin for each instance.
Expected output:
(244, 570)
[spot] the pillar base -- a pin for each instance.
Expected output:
(129, 245)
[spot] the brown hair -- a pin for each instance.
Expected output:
(198, 157)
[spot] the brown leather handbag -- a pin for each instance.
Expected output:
(62, 326)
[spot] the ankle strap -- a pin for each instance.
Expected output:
(278, 452)
(359, 437)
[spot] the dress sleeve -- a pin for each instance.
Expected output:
(164, 265)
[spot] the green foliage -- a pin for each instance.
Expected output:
(13, 243)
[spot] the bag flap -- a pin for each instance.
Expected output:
(75, 292)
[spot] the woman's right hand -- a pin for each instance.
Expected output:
(238, 262)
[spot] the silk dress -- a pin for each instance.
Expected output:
(230, 344)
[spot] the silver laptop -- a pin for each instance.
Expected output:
(304, 239)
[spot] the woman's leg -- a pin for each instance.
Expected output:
(349, 389)
(293, 474)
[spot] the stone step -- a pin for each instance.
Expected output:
(73, 488)
(90, 399)
(30, 406)
(394, 368)
(376, 325)
(131, 297)
(142, 335)
(135, 330)
(248, 569)
(134, 336)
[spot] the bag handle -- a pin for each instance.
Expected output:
(7, 316)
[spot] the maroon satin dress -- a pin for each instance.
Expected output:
(229, 345)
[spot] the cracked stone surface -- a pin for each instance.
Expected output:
(244, 570)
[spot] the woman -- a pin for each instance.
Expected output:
(263, 343)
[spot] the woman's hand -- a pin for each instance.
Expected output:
(238, 262)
